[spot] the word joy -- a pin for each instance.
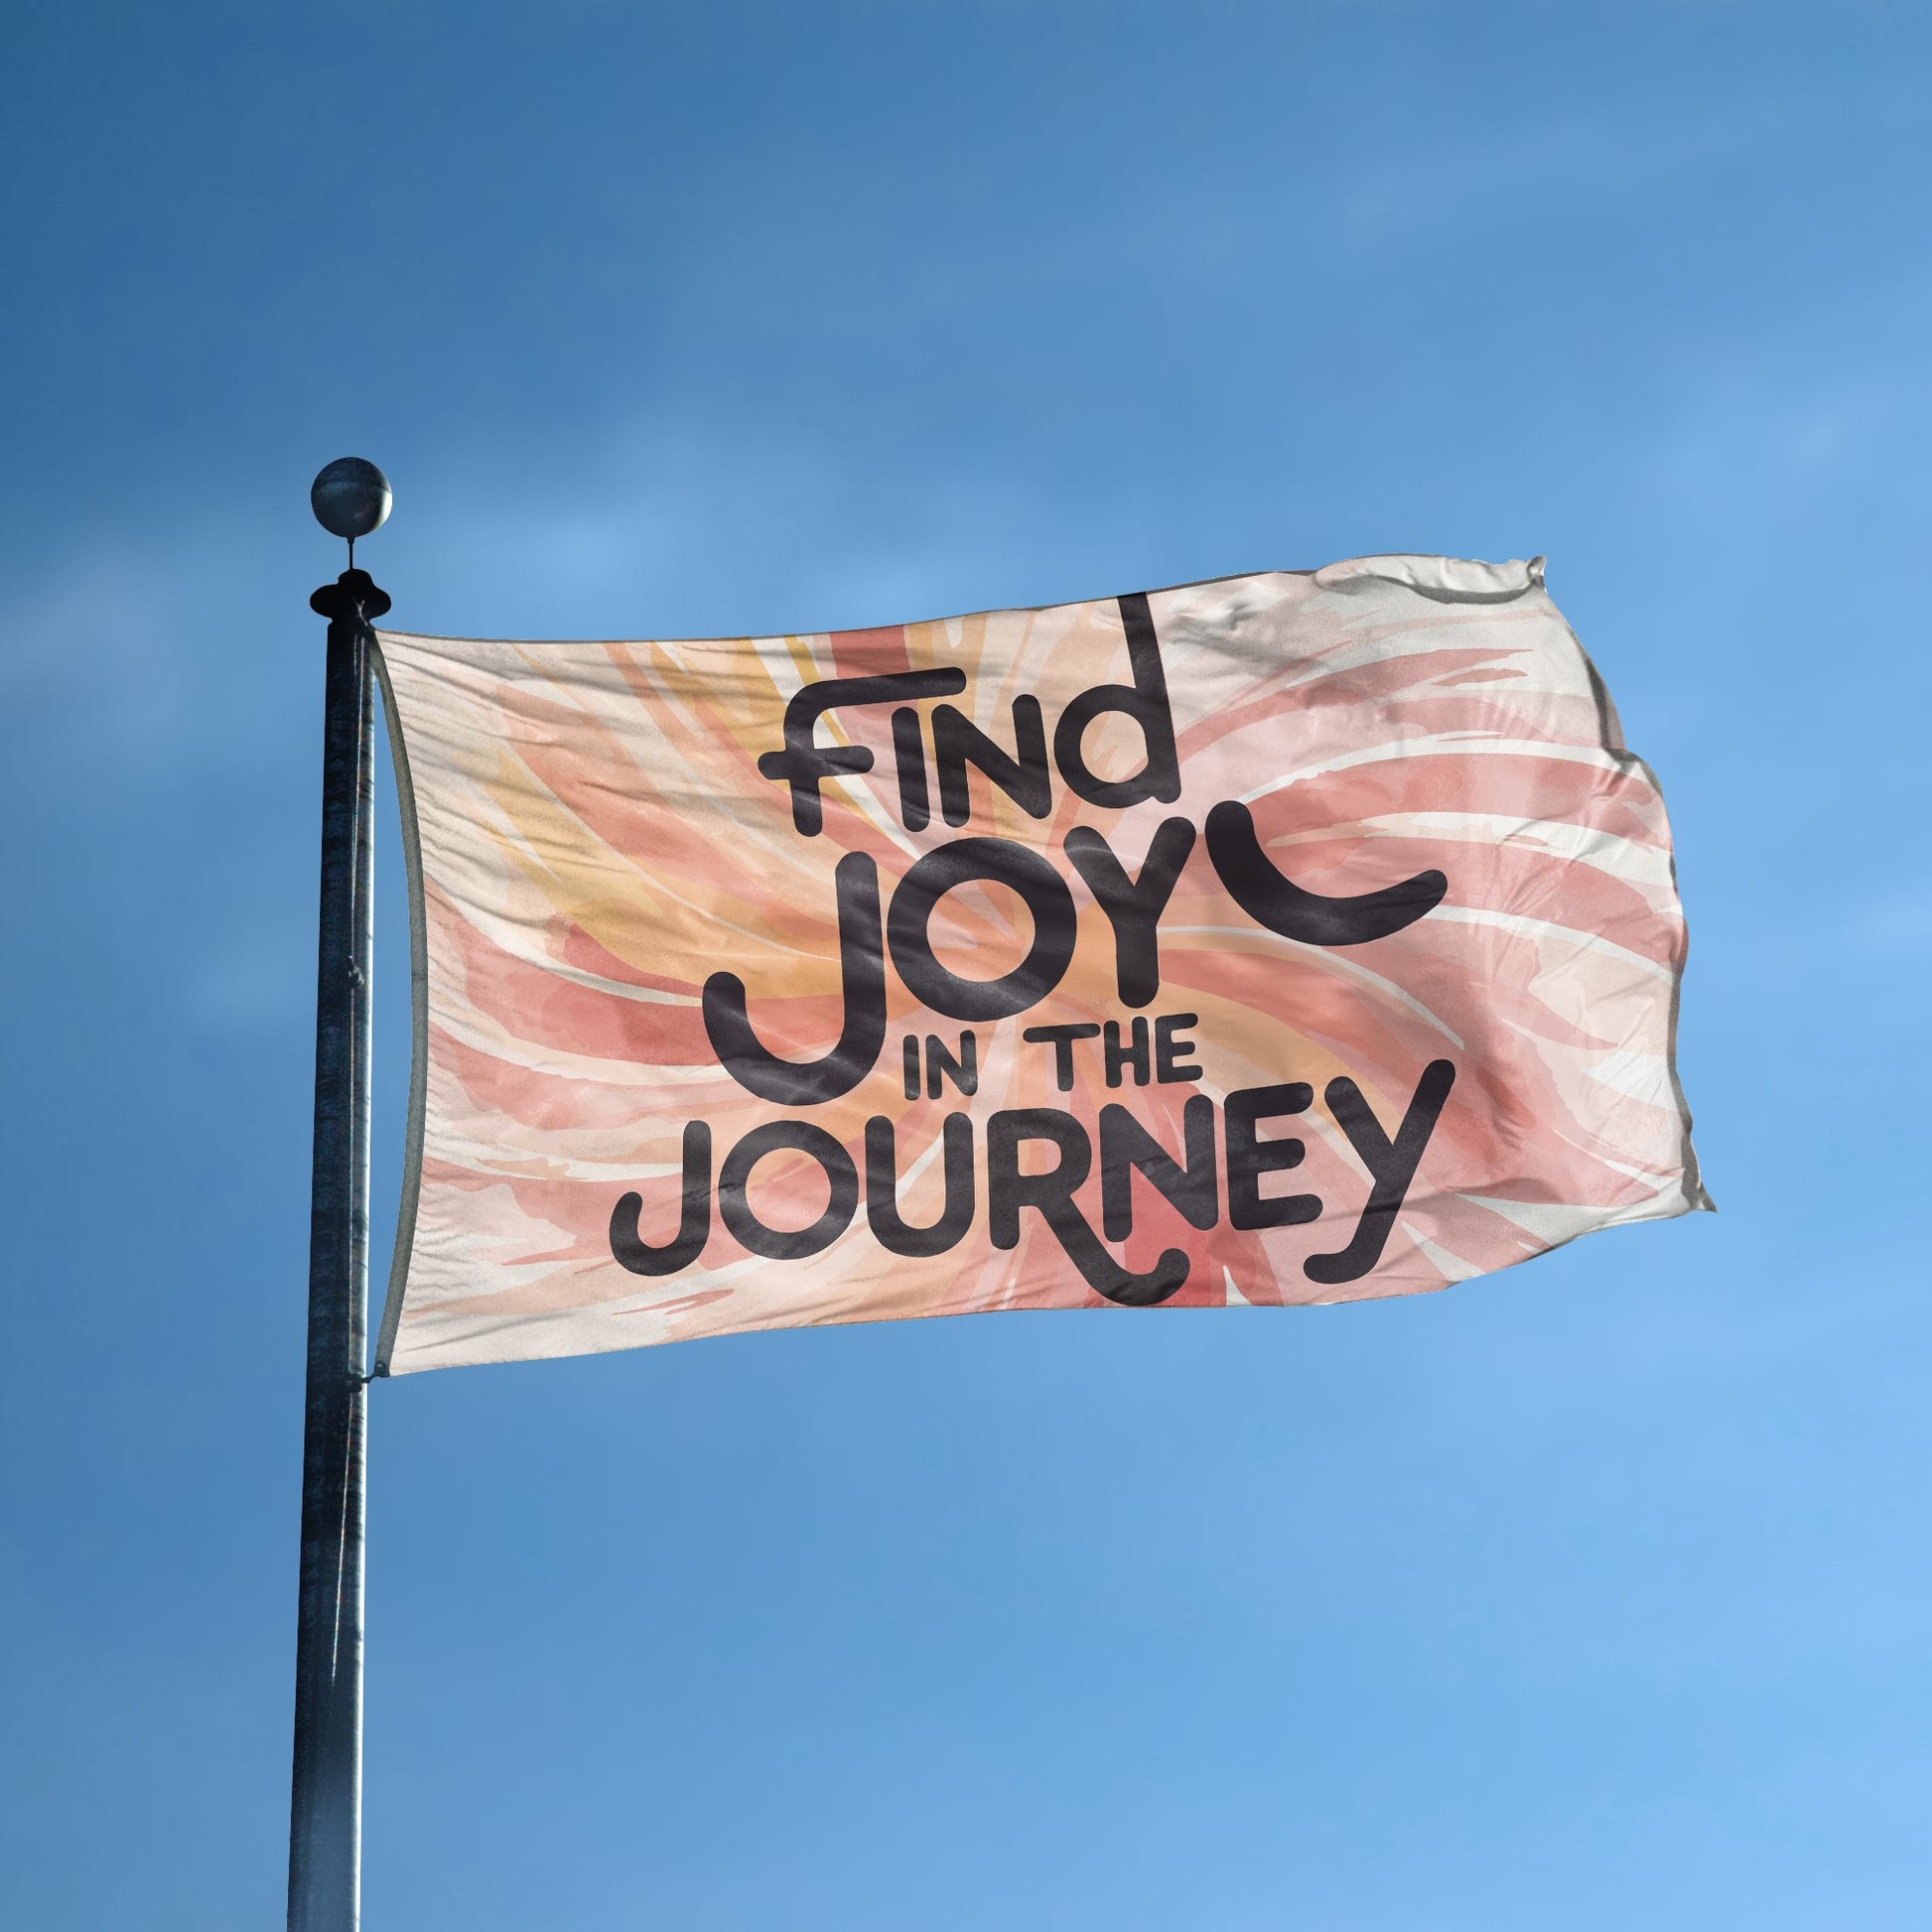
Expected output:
(1132, 903)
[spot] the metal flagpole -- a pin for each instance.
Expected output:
(350, 499)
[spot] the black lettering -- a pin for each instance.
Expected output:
(891, 1233)
(1008, 1190)
(909, 1065)
(1311, 917)
(1134, 906)
(909, 754)
(1061, 1039)
(1118, 1057)
(787, 1244)
(1391, 1165)
(861, 963)
(801, 764)
(1025, 777)
(1146, 701)
(941, 1066)
(1004, 863)
(1126, 1144)
(693, 1221)
(1250, 1157)
(1168, 1065)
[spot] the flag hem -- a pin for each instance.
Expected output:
(412, 1159)
(1488, 586)
(1611, 730)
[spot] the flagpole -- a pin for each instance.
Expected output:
(350, 499)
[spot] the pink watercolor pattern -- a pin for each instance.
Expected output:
(593, 839)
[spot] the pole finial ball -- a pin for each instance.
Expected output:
(351, 497)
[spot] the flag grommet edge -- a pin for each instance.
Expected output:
(412, 1159)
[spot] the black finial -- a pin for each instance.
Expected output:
(351, 497)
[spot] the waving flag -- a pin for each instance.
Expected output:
(1298, 937)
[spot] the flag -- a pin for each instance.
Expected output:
(1297, 937)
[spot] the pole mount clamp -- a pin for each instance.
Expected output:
(354, 598)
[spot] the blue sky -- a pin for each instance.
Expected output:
(1596, 1594)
